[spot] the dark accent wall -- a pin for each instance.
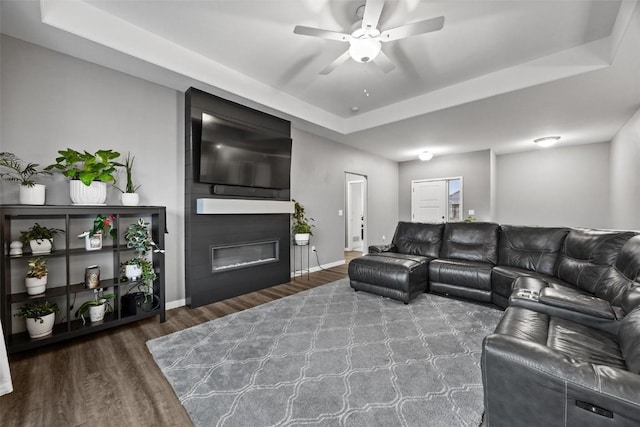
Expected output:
(201, 285)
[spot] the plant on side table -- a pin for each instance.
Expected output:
(39, 316)
(96, 307)
(39, 238)
(301, 225)
(36, 279)
(130, 197)
(89, 173)
(12, 170)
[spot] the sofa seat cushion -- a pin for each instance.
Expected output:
(398, 276)
(579, 342)
(468, 274)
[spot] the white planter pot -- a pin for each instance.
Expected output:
(39, 330)
(93, 242)
(94, 194)
(301, 239)
(130, 199)
(133, 272)
(40, 246)
(32, 195)
(35, 286)
(96, 312)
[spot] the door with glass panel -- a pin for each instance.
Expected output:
(436, 200)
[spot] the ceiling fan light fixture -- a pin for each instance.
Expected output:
(425, 156)
(365, 49)
(547, 141)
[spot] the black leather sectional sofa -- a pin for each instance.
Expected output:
(567, 350)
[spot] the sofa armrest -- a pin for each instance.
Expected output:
(586, 304)
(529, 384)
(376, 249)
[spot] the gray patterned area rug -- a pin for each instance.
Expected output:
(330, 356)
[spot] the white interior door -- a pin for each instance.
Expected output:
(355, 212)
(429, 201)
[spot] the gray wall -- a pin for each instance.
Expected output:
(318, 182)
(51, 101)
(566, 186)
(625, 176)
(474, 168)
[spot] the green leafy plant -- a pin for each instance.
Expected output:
(96, 302)
(104, 225)
(301, 224)
(148, 273)
(12, 169)
(36, 310)
(128, 165)
(39, 232)
(139, 239)
(37, 267)
(87, 167)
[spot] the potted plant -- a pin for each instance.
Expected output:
(130, 197)
(139, 269)
(139, 239)
(36, 280)
(102, 226)
(40, 317)
(89, 173)
(301, 225)
(13, 170)
(96, 307)
(39, 238)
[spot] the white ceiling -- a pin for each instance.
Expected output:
(499, 74)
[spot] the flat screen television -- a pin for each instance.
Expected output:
(235, 154)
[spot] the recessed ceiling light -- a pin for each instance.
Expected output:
(355, 109)
(425, 155)
(547, 141)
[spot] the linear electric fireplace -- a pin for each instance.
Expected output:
(244, 255)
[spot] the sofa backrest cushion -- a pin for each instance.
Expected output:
(414, 238)
(619, 285)
(471, 241)
(629, 340)
(587, 255)
(530, 248)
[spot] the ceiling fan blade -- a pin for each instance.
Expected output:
(324, 34)
(383, 62)
(372, 11)
(427, 26)
(338, 61)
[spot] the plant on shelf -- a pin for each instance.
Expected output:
(301, 225)
(40, 317)
(143, 271)
(130, 196)
(36, 279)
(40, 238)
(91, 169)
(139, 239)
(102, 226)
(12, 169)
(96, 307)
(140, 268)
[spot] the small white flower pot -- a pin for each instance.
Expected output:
(301, 239)
(39, 329)
(34, 195)
(94, 194)
(35, 286)
(40, 246)
(130, 199)
(93, 242)
(96, 312)
(133, 272)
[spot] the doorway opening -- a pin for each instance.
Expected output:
(436, 200)
(355, 207)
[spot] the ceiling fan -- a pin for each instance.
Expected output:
(365, 40)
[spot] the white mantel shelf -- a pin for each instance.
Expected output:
(242, 206)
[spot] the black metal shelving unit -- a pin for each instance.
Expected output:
(66, 291)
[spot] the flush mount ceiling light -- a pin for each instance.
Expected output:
(547, 141)
(425, 155)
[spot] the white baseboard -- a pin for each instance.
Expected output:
(175, 304)
(318, 268)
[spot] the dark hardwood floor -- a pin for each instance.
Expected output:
(110, 379)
